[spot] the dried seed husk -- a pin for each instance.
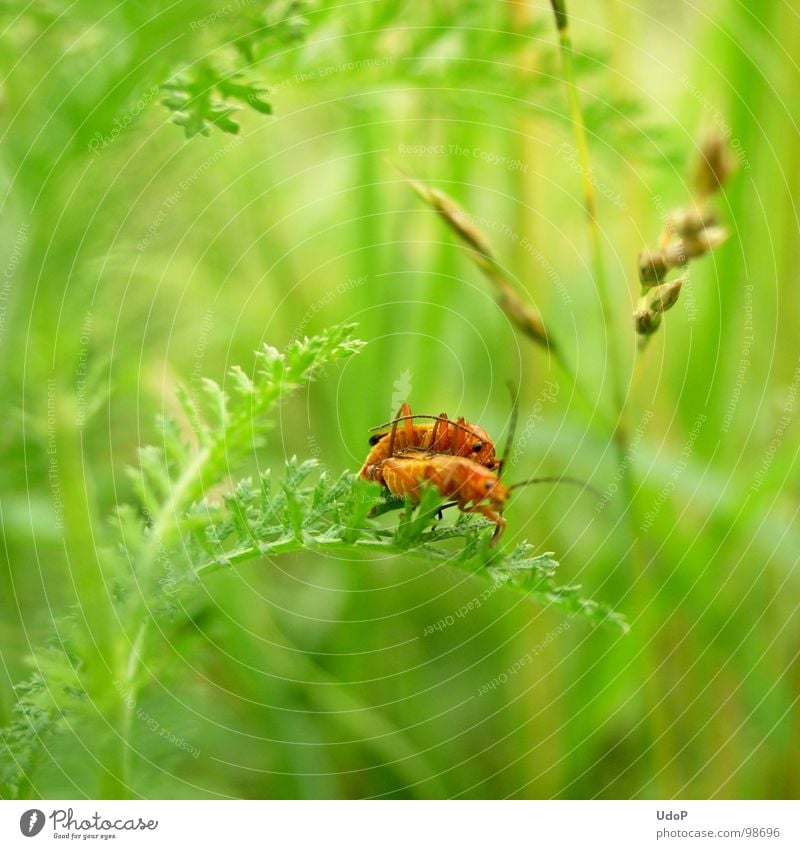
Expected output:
(654, 303)
(713, 166)
(524, 315)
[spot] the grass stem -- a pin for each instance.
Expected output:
(655, 706)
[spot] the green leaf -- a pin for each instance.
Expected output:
(205, 97)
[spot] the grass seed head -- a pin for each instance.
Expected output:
(713, 166)
(689, 222)
(690, 232)
(646, 322)
(652, 267)
(654, 303)
(523, 314)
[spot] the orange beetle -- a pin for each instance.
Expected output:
(472, 487)
(441, 436)
(457, 458)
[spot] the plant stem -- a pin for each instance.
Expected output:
(319, 544)
(639, 574)
(590, 205)
(129, 700)
(128, 665)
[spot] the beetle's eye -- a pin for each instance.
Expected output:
(476, 447)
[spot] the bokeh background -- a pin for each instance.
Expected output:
(135, 260)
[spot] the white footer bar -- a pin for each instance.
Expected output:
(402, 825)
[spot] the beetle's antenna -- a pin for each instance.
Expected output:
(421, 416)
(512, 427)
(572, 481)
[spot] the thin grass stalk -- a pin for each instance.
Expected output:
(641, 588)
(590, 205)
(519, 311)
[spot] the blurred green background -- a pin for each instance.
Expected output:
(136, 260)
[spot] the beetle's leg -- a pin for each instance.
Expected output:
(447, 506)
(404, 410)
(460, 435)
(499, 522)
(408, 424)
(434, 435)
(440, 513)
(491, 514)
(498, 532)
(453, 432)
(392, 434)
(438, 432)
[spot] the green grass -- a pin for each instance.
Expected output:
(157, 261)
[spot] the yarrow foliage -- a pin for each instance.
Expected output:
(178, 534)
